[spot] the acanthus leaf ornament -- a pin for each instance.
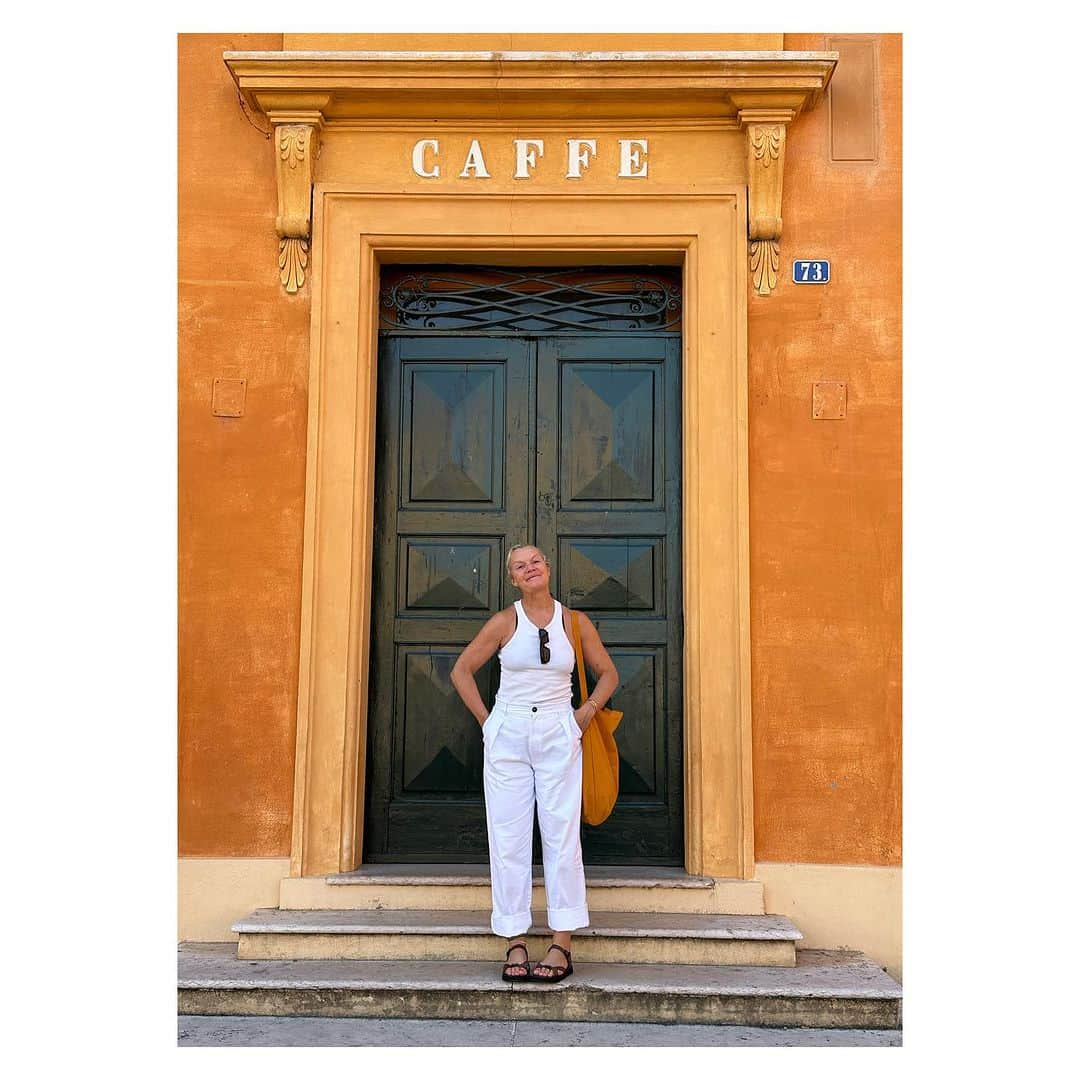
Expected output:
(292, 262)
(764, 265)
(765, 142)
(766, 137)
(292, 143)
(296, 140)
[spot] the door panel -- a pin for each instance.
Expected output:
(641, 751)
(609, 413)
(615, 574)
(453, 435)
(445, 574)
(608, 496)
(447, 497)
(485, 442)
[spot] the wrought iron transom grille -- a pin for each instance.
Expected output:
(442, 299)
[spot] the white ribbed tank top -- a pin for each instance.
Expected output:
(524, 680)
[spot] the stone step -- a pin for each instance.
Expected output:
(611, 937)
(823, 990)
(454, 887)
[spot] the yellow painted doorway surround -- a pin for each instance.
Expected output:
(354, 194)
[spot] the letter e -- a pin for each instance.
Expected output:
(631, 159)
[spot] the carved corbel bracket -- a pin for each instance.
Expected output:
(296, 144)
(766, 137)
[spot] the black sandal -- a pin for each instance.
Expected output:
(557, 973)
(507, 977)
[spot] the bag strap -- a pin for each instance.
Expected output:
(583, 681)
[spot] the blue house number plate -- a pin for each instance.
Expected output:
(810, 271)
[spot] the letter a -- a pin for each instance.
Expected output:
(475, 161)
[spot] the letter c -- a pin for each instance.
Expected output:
(418, 158)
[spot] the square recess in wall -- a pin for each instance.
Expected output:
(854, 99)
(830, 400)
(229, 397)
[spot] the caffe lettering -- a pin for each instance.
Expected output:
(629, 156)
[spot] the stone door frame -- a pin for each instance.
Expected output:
(353, 234)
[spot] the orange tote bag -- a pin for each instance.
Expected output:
(599, 754)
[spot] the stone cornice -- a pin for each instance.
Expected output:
(508, 85)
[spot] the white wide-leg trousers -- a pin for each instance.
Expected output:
(532, 756)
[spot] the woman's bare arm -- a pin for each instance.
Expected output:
(602, 666)
(477, 653)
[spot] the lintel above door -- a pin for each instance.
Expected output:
(306, 95)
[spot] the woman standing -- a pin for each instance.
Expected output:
(532, 756)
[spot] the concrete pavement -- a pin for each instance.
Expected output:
(347, 1031)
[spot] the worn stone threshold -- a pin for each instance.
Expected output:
(817, 974)
(601, 924)
(637, 877)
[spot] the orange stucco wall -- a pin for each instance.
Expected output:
(825, 505)
(241, 498)
(824, 495)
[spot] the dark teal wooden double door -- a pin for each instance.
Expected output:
(569, 442)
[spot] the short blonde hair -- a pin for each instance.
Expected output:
(518, 547)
